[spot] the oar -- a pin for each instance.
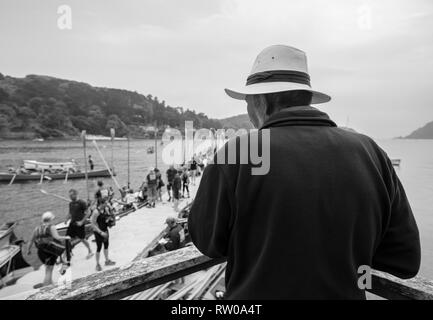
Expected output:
(13, 179)
(42, 177)
(106, 165)
(55, 195)
(66, 177)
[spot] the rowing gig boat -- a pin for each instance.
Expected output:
(36, 176)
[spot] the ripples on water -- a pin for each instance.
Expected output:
(21, 201)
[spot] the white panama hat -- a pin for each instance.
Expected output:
(278, 68)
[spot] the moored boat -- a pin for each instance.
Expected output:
(396, 162)
(103, 138)
(12, 265)
(7, 177)
(6, 231)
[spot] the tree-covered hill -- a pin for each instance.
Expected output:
(425, 132)
(241, 121)
(42, 106)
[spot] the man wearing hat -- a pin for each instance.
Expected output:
(175, 235)
(330, 204)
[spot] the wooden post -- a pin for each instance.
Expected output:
(156, 145)
(128, 162)
(113, 134)
(83, 137)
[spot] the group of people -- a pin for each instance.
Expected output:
(53, 247)
(178, 181)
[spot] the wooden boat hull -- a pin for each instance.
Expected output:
(7, 177)
(5, 233)
(12, 264)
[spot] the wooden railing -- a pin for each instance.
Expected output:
(146, 273)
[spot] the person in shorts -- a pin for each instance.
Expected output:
(78, 215)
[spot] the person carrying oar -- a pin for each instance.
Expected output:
(78, 215)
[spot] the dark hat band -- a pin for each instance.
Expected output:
(279, 76)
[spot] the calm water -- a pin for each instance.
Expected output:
(22, 201)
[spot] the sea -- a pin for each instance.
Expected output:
(24, 202)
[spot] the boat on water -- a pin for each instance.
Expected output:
(103, 138)
(12, 265)
(23, 177)
(396, 162)
(40, 166)
(6, 233)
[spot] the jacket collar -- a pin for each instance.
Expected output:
(299, 116)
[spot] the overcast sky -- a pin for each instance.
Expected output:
(373, 57)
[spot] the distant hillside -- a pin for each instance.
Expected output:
(425, 132)
(43, 106)
(237, 122)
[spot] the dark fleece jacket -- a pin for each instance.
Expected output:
(330, 203)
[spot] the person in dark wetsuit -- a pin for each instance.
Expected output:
(159, 185)
(100, 227)
(171, 172)
(91, 164)
(175, 235)
(78, 215)
(152, 184)
(177, 185)
(193, 169)
(185, 182)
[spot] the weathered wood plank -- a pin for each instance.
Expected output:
(136, 277)
(393, 288)
(146, 273)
